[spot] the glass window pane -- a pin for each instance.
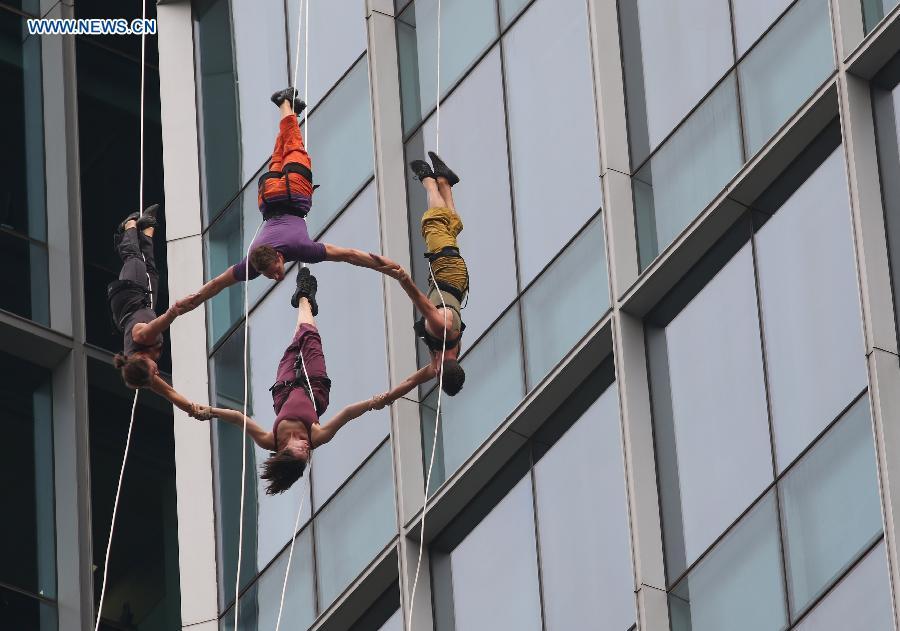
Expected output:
(217, 102)
(18, 611)
(814, 342)
(339, 140)
(354, 527)
(831, 506)
(713, 442)
(555, 159)
(862, 600)
(337, 37)
(875, 10)
(674, 53)
(752, 18)
(580, 489)
(785, 69)
(494, 569)
(260, 59)
(356, 362)
(27, 542)
(687, 172)
(509, 9)
(473, 143)
(24, 291)
(738, 586)
(494, 385)
(467, 29)
(565, 302)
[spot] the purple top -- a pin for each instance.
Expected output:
(289, 235)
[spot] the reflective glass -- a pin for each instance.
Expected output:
(27, 541)
(555, 159)
(752, 18)
(509, 9)
(217, 102)
(862, 600)
(473, 143)
(738, 587)
(688, 171)
(18, 611)
(467, 29)
(580, 497)
(395, 623)
(713, 442)
(565, 302)
(787, 66)
(260, 53)
(875, 10)
(339, 140)
(831, 506)
(355, 525)
(494, 385)
(227, 241)
(25, 291)
(674, 53)
(355, 348)
(337, 37)
(494, 569)
(810, 304)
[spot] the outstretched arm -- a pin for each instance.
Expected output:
(359, 258)
(321, 434)
(211, 288)
(162, 388)
(433, 316)
(406, 386)
(261, 437)
(146, 333)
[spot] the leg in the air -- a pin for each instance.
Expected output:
(435, 198)
(305, 294)
(446, 192)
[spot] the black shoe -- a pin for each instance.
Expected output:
(299, 106)
(421, 168)
(288, 94)
(120, 230)
(442, 170)
(148, 219)
(306, 288)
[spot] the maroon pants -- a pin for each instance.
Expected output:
(294, 403)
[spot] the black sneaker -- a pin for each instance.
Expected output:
(120, 230)
(306, 288)
(299, 106)
(148, 219)
(284, 95)
(421, 168)
(442, 170)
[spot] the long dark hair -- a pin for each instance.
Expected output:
(282, 469)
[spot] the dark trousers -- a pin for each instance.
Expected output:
(136, 251)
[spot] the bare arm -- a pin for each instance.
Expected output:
(146, 333)
(434, 317)
(359, 258)
(406, 386)
(163, 389)
(211, 288)
(260, 436)
(321, 434)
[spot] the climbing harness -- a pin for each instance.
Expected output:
(112, 523)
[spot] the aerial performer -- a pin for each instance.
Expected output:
(447, 285)
(284, 196)
(301, 371)
(132, 299)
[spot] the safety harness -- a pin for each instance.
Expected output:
(277, 208)
(303, 381)
(436, 344)
(124, 297)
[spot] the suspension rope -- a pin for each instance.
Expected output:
(437, 114)
(112, 523)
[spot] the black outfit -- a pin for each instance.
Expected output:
(130, 297)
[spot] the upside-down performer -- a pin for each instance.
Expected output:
(296, 430)
(131, 300)
(441, 307)
(284, 196)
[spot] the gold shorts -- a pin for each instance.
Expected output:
(440, 227)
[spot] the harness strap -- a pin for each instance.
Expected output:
(448, 251)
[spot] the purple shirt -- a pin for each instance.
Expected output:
(289, 235)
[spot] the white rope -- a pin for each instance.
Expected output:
(112, 523)
(294, 534)
(437, 114)
(437, 421)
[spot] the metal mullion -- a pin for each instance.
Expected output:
(737, 82)
(537, 535)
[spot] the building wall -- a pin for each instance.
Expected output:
(681, 350)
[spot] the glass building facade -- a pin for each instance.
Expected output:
(681, 227)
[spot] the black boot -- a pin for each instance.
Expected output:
(292, 95)
(148, 219)
(442, 170)
(120, 230)
(421, 169)
(306, 288)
